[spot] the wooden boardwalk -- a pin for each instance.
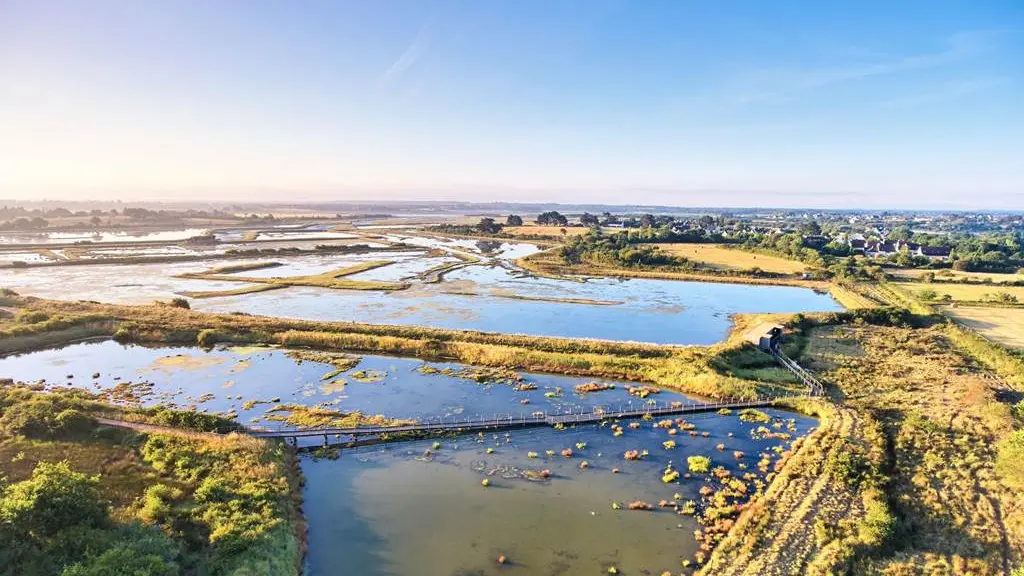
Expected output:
(566, 418)
(499, 421)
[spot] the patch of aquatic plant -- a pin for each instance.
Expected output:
(754, 415)
(593, 387)
(341, 362)
(642, 391)
(369, 376)
(302, 416)
(698, 464)
(481, 374)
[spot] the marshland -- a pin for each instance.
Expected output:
(392, 326)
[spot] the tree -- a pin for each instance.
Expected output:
(513, 220)
(95, 221)
(552, 218)
(488, 226)
(588, 219)
(647, 220)
(810, 228)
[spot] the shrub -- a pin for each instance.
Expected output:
(54, 499)
(45, 416)
(156, 503)
(847, 465)
(180, 303)
(31, 317)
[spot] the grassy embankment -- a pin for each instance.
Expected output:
(710, 371)
(200, 257)
(916, 468)
(548, 263)
(81, 498)
(333, 279)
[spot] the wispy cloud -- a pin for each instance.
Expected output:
(786, 83)
(411, 54)
(949, 91)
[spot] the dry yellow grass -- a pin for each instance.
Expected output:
(955, 275)
(962, 292)
(1002, 325)
(722, 258)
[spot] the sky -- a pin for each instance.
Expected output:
(876, 104)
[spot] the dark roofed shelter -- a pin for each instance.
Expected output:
(765, 336)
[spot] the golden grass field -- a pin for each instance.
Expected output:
(1002, 325)
(718, 256)
(962, 292)
(955, 275)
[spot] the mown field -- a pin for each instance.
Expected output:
(947, 274)
(962, 292)
(722, 258)
(1003, 325)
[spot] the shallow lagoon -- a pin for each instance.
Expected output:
(391, 511)
(494, 295)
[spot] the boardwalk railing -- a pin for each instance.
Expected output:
(814, 387)
(499, 421)
(569, 416)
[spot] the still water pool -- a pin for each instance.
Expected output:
(419, 508)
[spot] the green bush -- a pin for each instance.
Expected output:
(54, 499)
(46, 416)
(180, 303)
(31, 317)
(848, 465)
(1010, 459)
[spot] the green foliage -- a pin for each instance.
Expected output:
(1018, 412)
(208, 337)
(46, 416)
(191, 420)
(31, 317)
(848, 465)
(1010, 459)
(54, 499)
(614, 249)
(240, 499)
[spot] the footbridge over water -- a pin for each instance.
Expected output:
(567, 417)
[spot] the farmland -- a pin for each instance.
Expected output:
(722, 258)
(1003, 325)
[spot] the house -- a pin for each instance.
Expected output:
(935, 252)
(765, 336)
(879, 248)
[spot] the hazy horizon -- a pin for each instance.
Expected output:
(917, 105)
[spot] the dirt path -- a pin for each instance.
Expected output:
(155, 429)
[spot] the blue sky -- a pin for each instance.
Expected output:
(818, 104)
